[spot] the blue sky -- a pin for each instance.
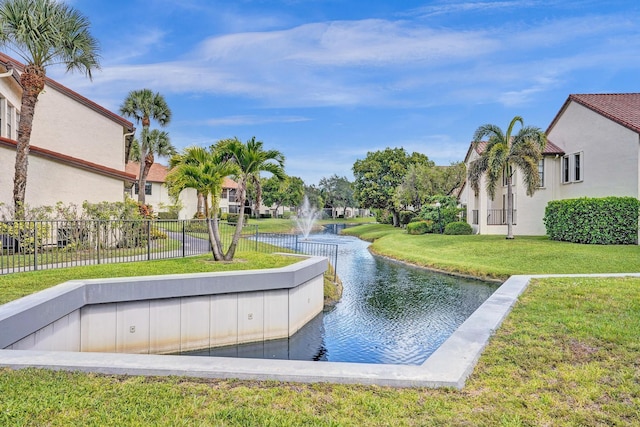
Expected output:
(326, 81)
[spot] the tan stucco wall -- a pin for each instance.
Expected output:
(49, 182)
(64, 125)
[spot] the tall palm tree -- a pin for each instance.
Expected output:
(154, 142)
(143, 106)
(203, 170)
(251, 159)
(42, 33)
(503, 154)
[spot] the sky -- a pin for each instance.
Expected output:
(326, 81)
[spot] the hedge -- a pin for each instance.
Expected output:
(420, 227)
(458, 228)
(601, 221)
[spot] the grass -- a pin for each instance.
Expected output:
(497, 257)
(14, 286)
(566, 356)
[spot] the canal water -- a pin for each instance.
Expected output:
(389, 313)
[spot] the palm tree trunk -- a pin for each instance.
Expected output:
(142, 179)
(509, 209)
(242, 196)
(32, 81)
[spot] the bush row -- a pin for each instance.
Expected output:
(602, 221)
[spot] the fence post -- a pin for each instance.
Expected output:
(148, 240)
(98, 241)
(296, 247)
(35, 246)
(256, 237)
(335, 264)
(183, 240)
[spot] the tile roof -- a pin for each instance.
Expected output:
(72, 161)
(158, 173)
(6, 60)
(622, 108)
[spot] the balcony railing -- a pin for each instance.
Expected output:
(499, 216)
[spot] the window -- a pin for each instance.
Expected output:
(9, 114)
(225, 193)
(565, 170)
(577, 167)
(572, 168)
(541, 173)
(147, 188)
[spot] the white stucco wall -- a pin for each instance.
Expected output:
(610, 154)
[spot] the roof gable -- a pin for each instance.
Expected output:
(622, 108)
(5, 60)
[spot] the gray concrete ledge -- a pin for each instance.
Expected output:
(449, 366)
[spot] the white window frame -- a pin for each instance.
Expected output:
(565, 170)
(578, 166)
(541, 167)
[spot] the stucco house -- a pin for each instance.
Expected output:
(77, 146)
(157, 193)
(593, 150)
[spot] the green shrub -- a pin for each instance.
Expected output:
(602, 221)
(224, 216)
(167, 215)
(233, 218)
(420, 227)
(157, 234)
(458, 228)
(286, 215)
(406, 217)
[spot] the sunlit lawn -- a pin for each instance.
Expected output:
(567, 355)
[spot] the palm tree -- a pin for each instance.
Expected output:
(154, 142)
(142, 106)
(251, 159)
(502, 154)
(204, 171)
(42, 33)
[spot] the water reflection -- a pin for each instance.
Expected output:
(389, 313)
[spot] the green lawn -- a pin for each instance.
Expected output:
(567, 355)
(497, 257)
(17, 285)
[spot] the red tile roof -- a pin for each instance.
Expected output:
(6, 60)
(73, 161)
(622, 108)
(157, 173)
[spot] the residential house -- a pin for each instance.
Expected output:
(76, 150)
(157, 193)
(593, 150)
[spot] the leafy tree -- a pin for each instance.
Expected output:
(503, 154)
(288, 192)
(379, 174)
(142, 106)
(203, 170)
(337, 192)
(250, 159)
(42, 33)
(424, 180)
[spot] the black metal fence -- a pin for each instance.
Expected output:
(35, 245)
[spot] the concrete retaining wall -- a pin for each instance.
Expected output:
(166, 314)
